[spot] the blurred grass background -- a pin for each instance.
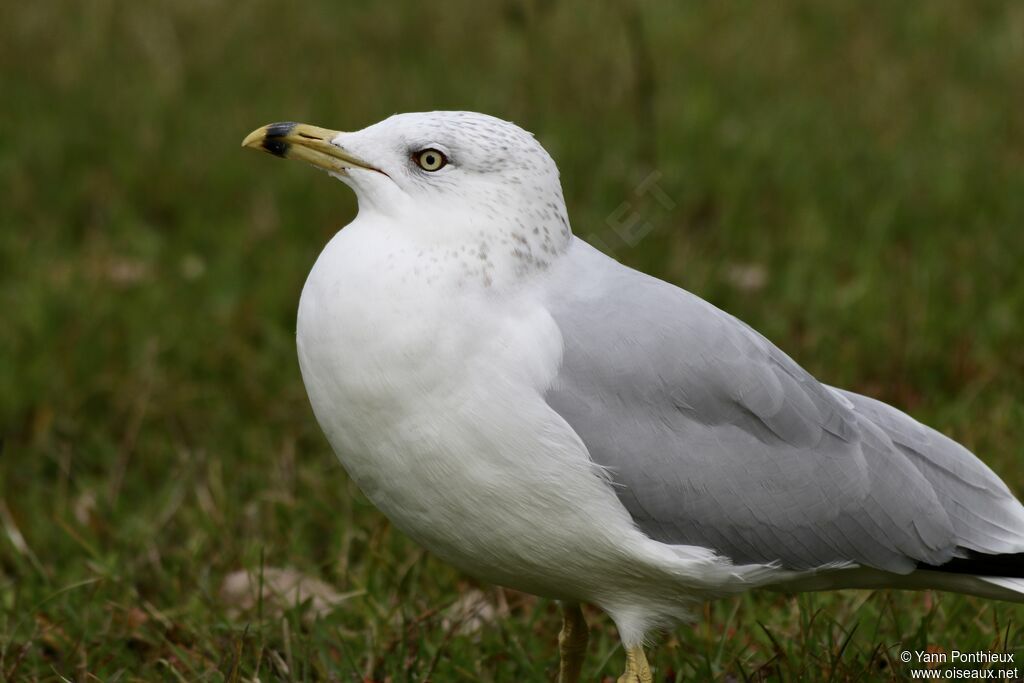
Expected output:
(847, 177)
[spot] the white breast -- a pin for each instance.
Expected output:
(431, 395)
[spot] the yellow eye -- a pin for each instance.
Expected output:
(430, 159)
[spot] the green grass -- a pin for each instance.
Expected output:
(847, 177)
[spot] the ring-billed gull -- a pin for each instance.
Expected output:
(545, 418)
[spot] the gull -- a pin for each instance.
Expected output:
(545, 418)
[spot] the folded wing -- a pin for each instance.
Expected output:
(714, 437)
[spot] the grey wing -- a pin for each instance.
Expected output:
(985, 515)
(714, 437)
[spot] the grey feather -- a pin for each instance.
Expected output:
(985, 515)
(714, 437)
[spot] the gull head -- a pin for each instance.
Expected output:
(445, 178)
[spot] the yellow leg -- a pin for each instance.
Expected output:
(572, 643)
(637, 670)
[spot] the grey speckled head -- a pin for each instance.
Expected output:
(470, 180)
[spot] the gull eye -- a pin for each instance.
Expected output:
(430, 159)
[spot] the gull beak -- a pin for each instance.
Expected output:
(301, 141)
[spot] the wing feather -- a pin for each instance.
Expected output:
(714, 437)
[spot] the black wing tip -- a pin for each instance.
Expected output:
(1008, 565)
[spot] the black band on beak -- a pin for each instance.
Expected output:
(273, 142)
